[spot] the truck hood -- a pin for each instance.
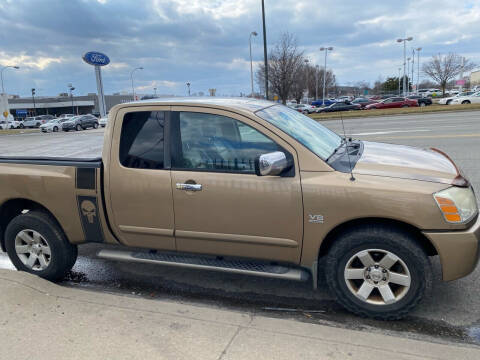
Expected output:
(407, 162)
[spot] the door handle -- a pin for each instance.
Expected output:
(189, 187)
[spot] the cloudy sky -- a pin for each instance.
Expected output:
(205, 42)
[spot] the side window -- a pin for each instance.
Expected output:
(215, 142)
(142, 140)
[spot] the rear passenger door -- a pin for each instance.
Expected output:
(138, 181)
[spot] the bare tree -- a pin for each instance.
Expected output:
(443, 68)
(284, 65)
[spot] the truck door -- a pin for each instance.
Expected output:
(137, 180)
(221, 206)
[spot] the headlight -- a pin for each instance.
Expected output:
(458, 205)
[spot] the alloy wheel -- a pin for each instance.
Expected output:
(33, 250)
(377, 277)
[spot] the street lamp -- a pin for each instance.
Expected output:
(408, 76)
(188, 86)
(418, 65)
(33, 99)
(404, 59)
(71, 88)
(265, 58)
(316, 82)
(326, 49)
(307, 73)
(131, 78)
(253, 33)
(399, 69)
(1, 73)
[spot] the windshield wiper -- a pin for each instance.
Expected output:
(343, 142)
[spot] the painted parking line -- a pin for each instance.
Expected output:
(428, 136)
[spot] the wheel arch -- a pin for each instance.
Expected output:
(416, 234)
(14, 207)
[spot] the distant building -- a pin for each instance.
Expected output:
(475, 78)
(63, 104)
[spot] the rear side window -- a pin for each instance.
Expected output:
(142, 144)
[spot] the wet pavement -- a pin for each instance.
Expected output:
(450, 313)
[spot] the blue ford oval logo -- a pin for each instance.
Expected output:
(96, 58)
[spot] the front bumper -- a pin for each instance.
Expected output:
(459, 251)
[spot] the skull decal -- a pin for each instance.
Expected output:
(89, 210)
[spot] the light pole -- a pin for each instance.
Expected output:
(404, 59)
(254, 33)
(408, 75)
(418, 67)
(306, 72)
(188, 86)
(33, 99)
(326, 49)
(265, 59)
(155, 91)
(131, 78)
(71, 88)
(399, 69)
(316, 82)
(1, 73)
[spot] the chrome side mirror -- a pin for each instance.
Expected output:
(271, 164)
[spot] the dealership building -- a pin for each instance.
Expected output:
(62, 104)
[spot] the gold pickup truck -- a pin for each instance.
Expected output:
(249, 187)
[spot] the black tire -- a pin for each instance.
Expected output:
(37, 125)
(63, 254)
(55, 129)
(465, 102)
(95, 125)
(78, 127)
(21, 126)
(405, 106)
(384, 238)
(448, 102)
(422, 104)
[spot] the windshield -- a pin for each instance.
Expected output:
(305, 130)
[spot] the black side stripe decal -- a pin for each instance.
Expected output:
(88, 210)
(86, 178)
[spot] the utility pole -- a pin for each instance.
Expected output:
(326, 49)
(307, 73)
(155, 91)
(188, 86)
(253, 33)
(404, 40)
(265, 49)
(33, 98)
(71, 88)
(418, 67)
(316, 82)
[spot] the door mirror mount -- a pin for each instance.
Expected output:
(271, 164)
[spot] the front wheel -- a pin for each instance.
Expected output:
(21, 126)
(404, 106)
(95, 125)
(78, 127)
(465, 102)
(378, 272)
(55, 129)
(36, 244)
(422, 104)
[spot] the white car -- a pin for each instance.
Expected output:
(103, 121)
(53, 125)
(304, 108)
(448, 100)
(468, 99)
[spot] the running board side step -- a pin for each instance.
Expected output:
(236, 266)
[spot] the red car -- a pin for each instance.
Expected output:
(393, 102)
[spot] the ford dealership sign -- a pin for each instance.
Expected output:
(96, 58)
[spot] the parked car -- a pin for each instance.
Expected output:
(393, 102)
(63, 116)
(344, 98)
(305, 108)
(258, 190)
(103, 121)
(422, 101)
(433, 92)
(448, 100)
(80, 122)
(53, 125)
(363, 102)
(319, 103)
(340, 106)
(467, 99)
(36, 121)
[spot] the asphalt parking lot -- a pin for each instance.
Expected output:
(450, 313)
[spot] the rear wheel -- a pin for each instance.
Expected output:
(378, 272)
(37, 245)
(448, 102)
(95, 125)
(21, 126)
(405, 106)
(78, 127)
(55, 128)
(422, 104)
(466, 102)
